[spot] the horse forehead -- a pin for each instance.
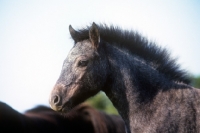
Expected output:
(81, 48)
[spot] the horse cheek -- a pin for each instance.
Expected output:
(79, 78)
(95, 78)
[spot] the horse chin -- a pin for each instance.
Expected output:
(67, 107)
(71, 103)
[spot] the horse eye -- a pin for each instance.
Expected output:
(82, 63)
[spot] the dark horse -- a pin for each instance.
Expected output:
(150, 91)
(82, 119)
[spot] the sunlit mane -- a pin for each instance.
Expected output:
(140, 46)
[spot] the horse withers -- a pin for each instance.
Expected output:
(146, 85)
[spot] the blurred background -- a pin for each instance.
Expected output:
(34, 40)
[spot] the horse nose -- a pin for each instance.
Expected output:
(56, 97)
(56, 102)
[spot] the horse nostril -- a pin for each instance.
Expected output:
(56, 100)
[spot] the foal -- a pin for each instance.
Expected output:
(149, 90)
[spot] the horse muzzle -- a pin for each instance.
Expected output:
(61, 97)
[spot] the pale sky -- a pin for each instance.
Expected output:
(34, 38)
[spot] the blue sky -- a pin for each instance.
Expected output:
(34, 38)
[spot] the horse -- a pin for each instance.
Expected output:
(145, 84)
(42, 119)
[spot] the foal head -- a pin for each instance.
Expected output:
(83, 73)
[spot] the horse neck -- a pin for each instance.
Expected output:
(132, 82)
(130, 73)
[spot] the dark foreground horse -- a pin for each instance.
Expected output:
(150, 91)
(82, 119)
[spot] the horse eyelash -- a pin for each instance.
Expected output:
(85, 62)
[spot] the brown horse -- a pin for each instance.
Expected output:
(42, 119)
(148, 88)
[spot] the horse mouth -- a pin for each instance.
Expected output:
(56, 108)
(64, 108)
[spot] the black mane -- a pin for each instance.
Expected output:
(158, 57)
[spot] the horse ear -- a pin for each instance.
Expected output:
(73, 33)
(94, 35)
